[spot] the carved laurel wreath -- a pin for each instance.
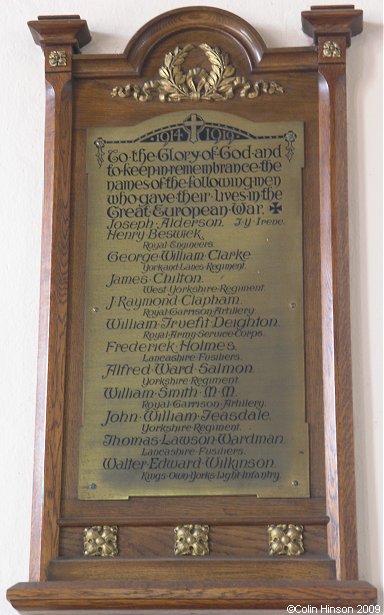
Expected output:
(220, 83)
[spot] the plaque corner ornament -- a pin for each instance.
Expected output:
(99, 143)
(192, 540)
(57, 58)
(286, 539)
(100, 541)
(219, 83)
(290, 138)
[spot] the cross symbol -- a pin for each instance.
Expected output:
(194, 123)
(275, 208)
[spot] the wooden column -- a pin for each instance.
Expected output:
(332, 29)
(59, 38)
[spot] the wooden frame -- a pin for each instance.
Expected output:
(240, 575)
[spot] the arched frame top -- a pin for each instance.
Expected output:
(202, 18)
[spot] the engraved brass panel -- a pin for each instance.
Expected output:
(194, 350)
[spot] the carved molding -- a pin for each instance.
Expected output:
(220, 83)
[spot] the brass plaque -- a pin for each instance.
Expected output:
(194, 349)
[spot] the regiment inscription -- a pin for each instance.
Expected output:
(194, 341)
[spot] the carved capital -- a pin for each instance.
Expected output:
(60, 30)
(328, 21)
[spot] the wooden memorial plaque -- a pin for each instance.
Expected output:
(194, 422)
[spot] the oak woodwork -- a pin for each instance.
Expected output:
(60, 29)
(230, 568)
(339, 20)
(248, 541)
(52, 331)
(337, 351)
(238, 573)
(232, 596)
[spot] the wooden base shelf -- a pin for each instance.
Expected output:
(99, 598)
(172, 570)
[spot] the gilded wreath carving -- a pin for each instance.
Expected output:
(175, 85)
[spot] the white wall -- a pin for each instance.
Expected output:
(112, 23)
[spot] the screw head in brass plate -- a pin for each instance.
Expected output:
(57, 58)
(100, 541)
(191, 540)
(285, 539)
(331, 50)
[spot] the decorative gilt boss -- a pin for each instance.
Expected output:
(100, 541)
(286, 539)
(220, 83)
(57, 58)
(331, 50)
(191, 540)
